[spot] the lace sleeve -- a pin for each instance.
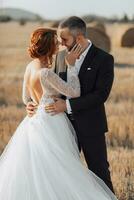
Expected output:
(71, 88)
(25, 91)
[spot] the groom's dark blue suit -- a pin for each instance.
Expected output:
(89, 119)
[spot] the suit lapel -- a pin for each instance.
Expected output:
(87, 61)
(63, 75)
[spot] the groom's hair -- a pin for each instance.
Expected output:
(75, 24)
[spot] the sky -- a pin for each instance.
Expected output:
(56, 9)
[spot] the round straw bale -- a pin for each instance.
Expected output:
(55, 24)
(128, 38)
(98, 25)
(99, 38)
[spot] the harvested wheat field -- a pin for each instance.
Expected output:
(120, 105)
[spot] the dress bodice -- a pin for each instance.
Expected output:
(53, 85)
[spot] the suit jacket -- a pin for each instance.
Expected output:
(96, 77)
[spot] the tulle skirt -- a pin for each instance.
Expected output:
(42, 162)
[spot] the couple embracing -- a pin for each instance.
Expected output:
(65, 105)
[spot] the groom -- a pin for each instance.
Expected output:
(87, 112)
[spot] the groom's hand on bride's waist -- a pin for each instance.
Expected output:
(59, 106)
(31, 108)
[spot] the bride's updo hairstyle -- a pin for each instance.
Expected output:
(42, 43)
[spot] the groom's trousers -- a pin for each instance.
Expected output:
(95, 153)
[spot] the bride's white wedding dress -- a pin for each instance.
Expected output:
(41, 161)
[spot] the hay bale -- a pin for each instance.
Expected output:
(99, 38)
(128, 38)
(116, 31)
(98, 25)
(55, 24)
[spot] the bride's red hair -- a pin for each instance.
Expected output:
(42, 43)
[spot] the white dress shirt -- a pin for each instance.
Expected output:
(77, 67)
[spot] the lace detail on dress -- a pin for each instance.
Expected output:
(52, 82)
(53, 85)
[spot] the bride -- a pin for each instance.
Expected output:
(41, 161)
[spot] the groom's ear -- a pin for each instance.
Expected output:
(79, 38)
